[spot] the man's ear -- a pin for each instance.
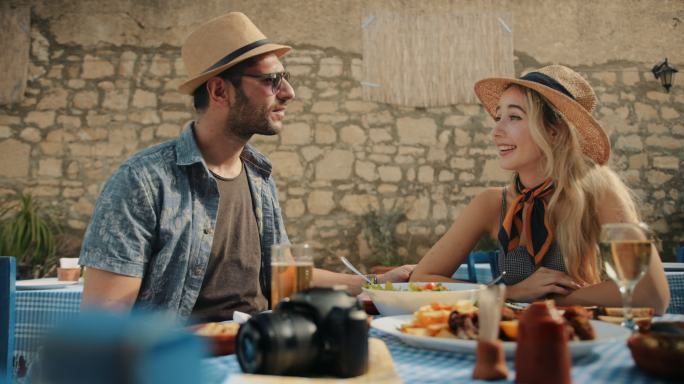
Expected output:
(220, 91)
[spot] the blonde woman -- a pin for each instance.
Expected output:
(548, 219)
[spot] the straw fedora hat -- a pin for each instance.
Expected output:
(568, 92)
(220, 44)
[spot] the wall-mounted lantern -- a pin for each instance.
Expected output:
(665, 72)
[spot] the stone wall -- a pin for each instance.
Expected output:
(88, 106)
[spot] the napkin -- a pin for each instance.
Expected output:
(240, 317)
(380, 370)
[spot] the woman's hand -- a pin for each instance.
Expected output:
(397, 275)
(540, 284)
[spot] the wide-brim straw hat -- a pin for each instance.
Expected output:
(568, 92)
(220, 44)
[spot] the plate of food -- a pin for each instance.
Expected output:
(434, 327)
(220, 336)
(404, 298)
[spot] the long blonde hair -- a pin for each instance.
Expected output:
(580, 185)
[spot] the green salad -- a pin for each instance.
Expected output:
(412, 287)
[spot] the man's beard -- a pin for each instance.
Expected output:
(247, 119)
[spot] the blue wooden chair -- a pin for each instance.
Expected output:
(482, 257)
(8, 272)
(679, 256)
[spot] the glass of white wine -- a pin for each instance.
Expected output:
(626, 254)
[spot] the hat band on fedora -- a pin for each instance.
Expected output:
(229, 57)
(548, 81)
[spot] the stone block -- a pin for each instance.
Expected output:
(379, 135)
(360, 106)
(286, 165)
(298, 133)
(116, 99)
(358, 204)
(666, 162)
(30, 134)
(462, 137)
(352, 134)
(390, 173)
(294, 208)
(445, 176)
(419, 208)
(457, 121)
(366, 170)
(85, 100)
(492, 171)
(630, 77)
(167, 131)
(50, 167)
(160, 66)
(639, 161)
(42, 119)
(633, 142)
(325, 134)
(320, 202)
(417, 130)
(645, 111)
(96, 68)
(53, 99)
(669, 113)
(145, 117)
(426, 174)
(324, 107)
(657, 177)
(144, 99)
(335, 165)
(5, 131)
(14, 157)
(330, 67)
(377, 118)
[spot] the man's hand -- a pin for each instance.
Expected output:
(543, 282)
(397, 275)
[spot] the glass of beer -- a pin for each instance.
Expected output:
(626, 252)
(291, 270)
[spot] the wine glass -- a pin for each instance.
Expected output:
(626, 254)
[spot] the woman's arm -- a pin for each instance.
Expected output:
(479, 217)
(651, 291)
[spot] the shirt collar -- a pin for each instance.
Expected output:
(188, 153)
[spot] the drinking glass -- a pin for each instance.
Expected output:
(626, 254)
(291, 270)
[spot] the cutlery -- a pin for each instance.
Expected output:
(497, 279)
(349, 265)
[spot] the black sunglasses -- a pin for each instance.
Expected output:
(276, 79)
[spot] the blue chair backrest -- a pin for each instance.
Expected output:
(679, 257)
(7, 301)
(482, 257)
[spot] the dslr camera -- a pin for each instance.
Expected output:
(319, 331)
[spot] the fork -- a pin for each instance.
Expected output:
(497, 279)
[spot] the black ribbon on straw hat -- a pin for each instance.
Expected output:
(543, 79)
(236, 53)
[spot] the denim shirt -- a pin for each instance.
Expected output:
(155, 219)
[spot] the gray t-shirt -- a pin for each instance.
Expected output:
(231, 281)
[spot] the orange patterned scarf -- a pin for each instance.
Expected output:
(527, 216)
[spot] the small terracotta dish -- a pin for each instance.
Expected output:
(220, 336)
(659, 350)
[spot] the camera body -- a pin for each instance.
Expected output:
(319, 331)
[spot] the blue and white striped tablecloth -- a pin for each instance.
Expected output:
(38, 311)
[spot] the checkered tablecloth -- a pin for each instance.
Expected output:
(37, 311)
(609, 363)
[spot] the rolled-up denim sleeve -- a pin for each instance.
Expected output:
(280, 234)
(121, 233)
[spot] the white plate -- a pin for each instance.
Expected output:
(46, 283)
(605, 333)
(402, 301)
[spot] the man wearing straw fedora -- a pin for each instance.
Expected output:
(160, 236)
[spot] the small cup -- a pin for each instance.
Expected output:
(291, 270)
(68, 274)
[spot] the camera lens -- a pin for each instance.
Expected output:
(277, 343)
